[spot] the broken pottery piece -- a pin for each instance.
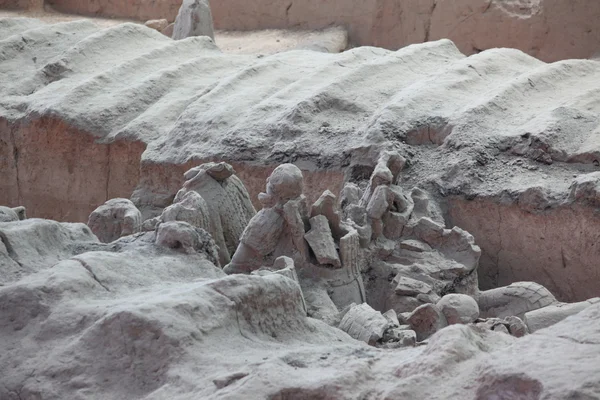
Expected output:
(414, 245)
(321, 242)
(550, 315)
(515, 299)
(157, 24)
(406, 286)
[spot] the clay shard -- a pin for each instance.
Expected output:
(426, 320)
(191, 208)
(406, 286)
(514, 300)
(365, 324)
(326, 205)
(157, 24)
(181, 236)
(415, 245)
(8, 214)
(321, 242)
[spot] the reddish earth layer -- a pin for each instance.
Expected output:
(559, 248)
(550, 30)
(61, 173)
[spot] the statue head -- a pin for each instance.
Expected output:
(285, 182)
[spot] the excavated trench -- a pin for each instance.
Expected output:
(59, 172)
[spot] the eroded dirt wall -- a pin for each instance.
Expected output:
(559, 248)
(550, 30)
(133, 9)
(58, 172)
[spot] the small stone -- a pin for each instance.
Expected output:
(516, 326)
(410, 287)
(285, 266)
(283, 262)
(220, 383)
(431, 297)
(181, 236)
(385, 247)
(168, 31)
(150, 224)
(392, 317)
(429, 231)
(397, 338)
(501, 328)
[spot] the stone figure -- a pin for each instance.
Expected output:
(114, 219)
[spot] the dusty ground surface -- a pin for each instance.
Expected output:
(266, 41)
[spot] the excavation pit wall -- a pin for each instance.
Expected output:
(60, 172)
(558, 248)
